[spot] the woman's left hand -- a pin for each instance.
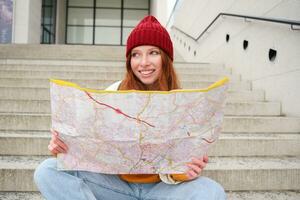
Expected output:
(196, 167)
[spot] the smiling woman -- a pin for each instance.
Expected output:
(149, 68)
(149, 62)
(146, 64)
(149, 65)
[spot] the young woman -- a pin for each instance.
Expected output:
(149, 66)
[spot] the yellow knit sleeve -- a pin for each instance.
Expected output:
(179, 177)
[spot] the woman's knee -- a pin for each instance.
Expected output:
(44, 170)
(215, 189)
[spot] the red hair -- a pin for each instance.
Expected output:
(167, 80)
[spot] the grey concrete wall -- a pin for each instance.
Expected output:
(162, 10)
(27, 21)
(35, 11)
(279, 78)
(61, 22)
(20, 21)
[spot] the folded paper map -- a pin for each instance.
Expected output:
(135, 132)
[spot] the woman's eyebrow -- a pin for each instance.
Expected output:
(135, 51)
(153, 49)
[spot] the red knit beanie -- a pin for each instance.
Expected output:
(150, 32)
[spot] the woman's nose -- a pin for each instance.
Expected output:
(144, 60)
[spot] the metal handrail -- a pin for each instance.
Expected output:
(173, 10)
(290, 22)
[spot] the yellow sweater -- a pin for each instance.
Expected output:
(149, 178)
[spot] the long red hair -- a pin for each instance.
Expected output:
(168, 79)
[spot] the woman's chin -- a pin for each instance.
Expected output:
(147, 81)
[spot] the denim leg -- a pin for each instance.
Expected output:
(110, 187)
(79, 185)
(54, 184)
(201, 188)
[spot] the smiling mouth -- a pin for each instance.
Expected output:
(147, 72)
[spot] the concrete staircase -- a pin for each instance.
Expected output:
(256, 157)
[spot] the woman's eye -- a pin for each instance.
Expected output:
(154, 52)
(134, 54)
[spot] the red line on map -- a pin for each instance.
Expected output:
(208, 141)
(117, 110)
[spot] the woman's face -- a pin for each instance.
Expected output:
(146, 63)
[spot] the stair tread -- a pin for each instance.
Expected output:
(68, 62)
(21, 196)
(251, 195)
(104, 70)
(47, 88)
(215, 163)
(256, 195)
(259, 144)
(222, 136)
(232, 107)
(241, 102)
(231, 116)
(108, 80)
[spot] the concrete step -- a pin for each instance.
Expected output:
(65, 52)
(252, 195)
(41, 122)
(21, 196)
(249, 144)
(253, 108)
(232, 108)
(255, 173)
(17, 172)
(92, 66)
(30, 93)
(102, 75)
(24, 142)
(103, 83)
(232, 144)
(65, 64)
(23, 106)
(266, 195)
(261, 124)
(234, 173)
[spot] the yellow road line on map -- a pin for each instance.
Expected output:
(145, 106)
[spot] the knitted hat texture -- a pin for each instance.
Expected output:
(150, 32)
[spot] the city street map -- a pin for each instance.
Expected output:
(135, 132)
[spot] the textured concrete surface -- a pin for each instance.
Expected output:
(74, 52)
(234, 173)
(104, 75)
(101, 84)
(42, 93)
(229, 144)
(232, 108)
(247, 124)
(256, 157)
(274, 195)
(20, 196)
(102, 66)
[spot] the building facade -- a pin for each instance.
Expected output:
(88, 22)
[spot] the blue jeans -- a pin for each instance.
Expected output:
(80, 185)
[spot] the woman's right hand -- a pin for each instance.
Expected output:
(56, 145)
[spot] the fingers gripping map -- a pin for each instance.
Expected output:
(135, 132)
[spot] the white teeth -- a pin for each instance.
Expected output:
(146, 72)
